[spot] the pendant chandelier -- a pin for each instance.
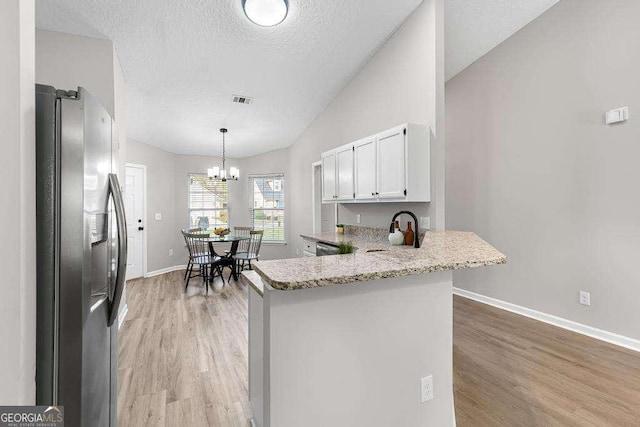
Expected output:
(217, 173)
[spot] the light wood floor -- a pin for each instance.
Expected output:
(183, 356)
(513, 371)
(183, 362)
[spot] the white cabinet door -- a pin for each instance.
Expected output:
(329, 177)
(344, 172)
(391, 164)
(365, 168)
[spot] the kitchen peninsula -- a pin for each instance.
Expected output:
(345, 340)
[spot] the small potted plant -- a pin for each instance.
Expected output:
(339, 228)
(345, 248)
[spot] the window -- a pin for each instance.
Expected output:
(267, 205)
(208, 202)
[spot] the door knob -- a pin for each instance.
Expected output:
(140, 228)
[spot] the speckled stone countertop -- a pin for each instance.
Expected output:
(439, 250)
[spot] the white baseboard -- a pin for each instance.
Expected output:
(122, 315)
(610, 337)
(165, 270)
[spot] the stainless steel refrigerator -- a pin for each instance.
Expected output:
(81, 257)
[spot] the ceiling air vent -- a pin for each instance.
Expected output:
(242, 99)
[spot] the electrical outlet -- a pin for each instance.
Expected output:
(426, 388)
(358, 219)
(425, 222)
(585, 298)
(170, 252)
(298, 251)
(158, 217)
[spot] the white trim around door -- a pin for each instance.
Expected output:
(144, 215)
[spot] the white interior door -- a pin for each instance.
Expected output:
(134, 206)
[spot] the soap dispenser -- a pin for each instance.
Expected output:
(396, 237)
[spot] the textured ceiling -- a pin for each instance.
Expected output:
(474, 27)
(183, 61)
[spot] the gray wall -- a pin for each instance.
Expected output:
(18, 211)
(402, 82)
(67, 61)
(533, 169)
(161, 235)
(167, 194)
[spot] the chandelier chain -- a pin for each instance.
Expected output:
(223, 153)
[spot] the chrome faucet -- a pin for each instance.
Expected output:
(416, 238)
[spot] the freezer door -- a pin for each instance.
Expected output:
(85, 369)
(97, 370)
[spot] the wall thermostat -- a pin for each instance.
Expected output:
(616, 116)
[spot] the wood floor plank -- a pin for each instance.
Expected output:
(183, 362)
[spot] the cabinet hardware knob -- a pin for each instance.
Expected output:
(140, 228)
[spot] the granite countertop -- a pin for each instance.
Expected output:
(440, 250)
(360, 243)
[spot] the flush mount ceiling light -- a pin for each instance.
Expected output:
(266, 13)
(217, 173)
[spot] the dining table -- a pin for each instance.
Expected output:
(212, 239)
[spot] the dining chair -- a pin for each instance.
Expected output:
(223, 261)
(200, 256)
(253, 250)
(187, 231)
(242, 231)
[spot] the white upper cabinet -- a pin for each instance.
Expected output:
(364, 152)
(329, 176)
(344, 172)
(391, 166)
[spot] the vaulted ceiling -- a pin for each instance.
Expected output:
(184, 60)
(474, 27)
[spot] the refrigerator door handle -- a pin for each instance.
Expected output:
(114, 190)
